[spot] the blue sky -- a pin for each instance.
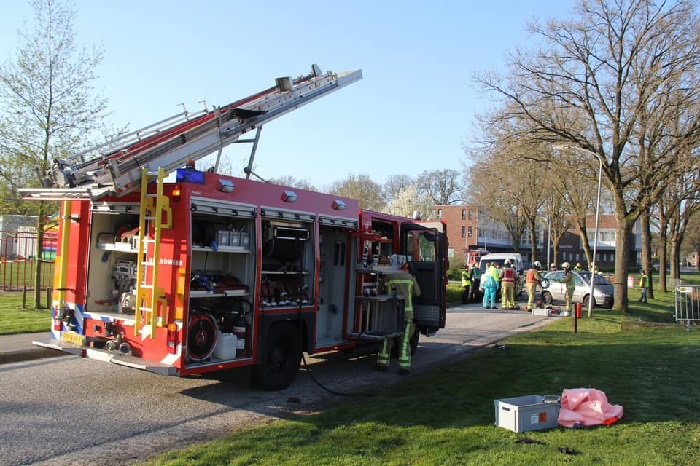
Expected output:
(413, 111)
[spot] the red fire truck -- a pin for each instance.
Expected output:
(474, 255)
(209, 272)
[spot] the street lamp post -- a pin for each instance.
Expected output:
(597, 216)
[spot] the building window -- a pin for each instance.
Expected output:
(464, 214)
(469, 232)
(439, 213)
(470, 214)
(463, 231)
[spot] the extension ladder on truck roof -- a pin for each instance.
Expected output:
(116, 167)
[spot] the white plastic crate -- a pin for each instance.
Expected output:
(556, 312)
(524, 413)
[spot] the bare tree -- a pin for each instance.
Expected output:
(49, 107)
(558, 216)
(692, 238)
(576, 184)
(499, 197)
(406, 202)
(606, 67)
(362, 188)
(395, 186)
(293, 182)
(442, 187)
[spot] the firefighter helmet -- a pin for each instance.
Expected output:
(537, 264)
(565, 266)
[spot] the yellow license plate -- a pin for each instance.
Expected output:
(72, 337)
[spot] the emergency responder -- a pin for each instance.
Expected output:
(578, 267)
(476, 280)
(532, 279)
(643, 287)
(489, 286)
(568, 280)
(466, 284)
(508, 286)
(400, 283)
(553, 267)
(496, 272)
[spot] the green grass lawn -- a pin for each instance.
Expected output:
(14, 318)
(447, 417)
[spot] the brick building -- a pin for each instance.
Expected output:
(466, 230)
(462, 225)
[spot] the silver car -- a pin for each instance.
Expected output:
(554, 289)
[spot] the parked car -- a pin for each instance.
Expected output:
(553, 288)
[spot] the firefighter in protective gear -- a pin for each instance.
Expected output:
(496, 272)
(568, 280)
(489, 287)
(466, 284)
(643, 287)
(403, 284)
(476, 281)
(508, 285)
(532, 279)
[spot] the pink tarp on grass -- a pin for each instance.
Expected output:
(587, 407)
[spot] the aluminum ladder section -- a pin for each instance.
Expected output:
(155, 215)
(115, 168)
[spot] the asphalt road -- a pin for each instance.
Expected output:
(74, 411)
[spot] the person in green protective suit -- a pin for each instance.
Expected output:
(400, 283)
(466, 284)
(568, 280)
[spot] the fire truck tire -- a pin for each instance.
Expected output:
(279, 362)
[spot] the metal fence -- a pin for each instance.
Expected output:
(687, 301)
(19, 261)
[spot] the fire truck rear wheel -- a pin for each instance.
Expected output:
(279, 362)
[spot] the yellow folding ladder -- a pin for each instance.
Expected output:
(155, 215)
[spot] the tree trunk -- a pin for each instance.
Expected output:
(41, 222)
(661, 252)
(623, 237)
(645, 224)
(676, 241)
(663, 238)
(583, 234)
(533, 238)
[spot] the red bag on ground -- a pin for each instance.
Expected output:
(587, 407)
